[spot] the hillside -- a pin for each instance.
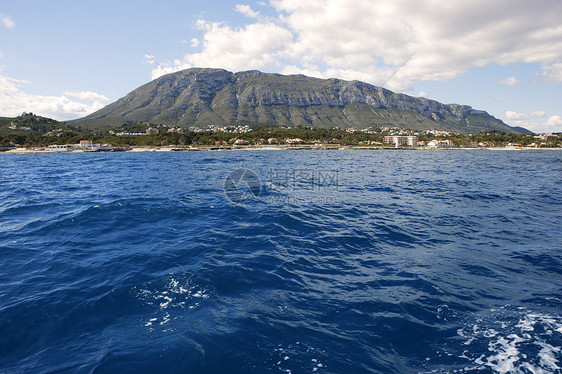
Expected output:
(28, 122)
(204, 97)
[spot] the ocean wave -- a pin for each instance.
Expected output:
(505, 340)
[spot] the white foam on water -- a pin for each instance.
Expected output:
(170, 300)
(547, 356)
(517, 341)
(506, 355)
(297, 357)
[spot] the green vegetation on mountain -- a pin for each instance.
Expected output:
(215, 97)
(29, 129)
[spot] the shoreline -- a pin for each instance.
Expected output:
(276, 148)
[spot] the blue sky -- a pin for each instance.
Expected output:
(64, 59)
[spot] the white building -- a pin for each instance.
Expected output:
(60, 148)
(85, 144)
(440, 144)
(178, 130)
(409, 140)
(294, 141)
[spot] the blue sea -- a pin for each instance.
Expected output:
(281, 262)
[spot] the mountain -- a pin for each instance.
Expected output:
(203, 97)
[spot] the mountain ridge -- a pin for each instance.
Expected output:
(202, 97)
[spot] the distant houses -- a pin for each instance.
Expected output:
(294, 141)
(412, 141)
(15, 127)
(148, 131)
(177, 130)
(56, 132)
(228, 129)
(127, 133)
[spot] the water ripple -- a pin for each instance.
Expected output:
(412, 262)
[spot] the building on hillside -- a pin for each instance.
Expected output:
(151, 131)
(177, 130)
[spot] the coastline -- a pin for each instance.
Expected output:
(279, 148)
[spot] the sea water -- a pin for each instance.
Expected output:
(281, 262)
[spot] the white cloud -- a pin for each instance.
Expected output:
(14, 101)
(150, 59)
(368, 40)
(531, 122)
(552, 124)
(515, 116)
(511, 81)
(255, 46)
(499, 99)
(247, 11)
(554, 121)
(86, 95)
(194, 42)
(7, 21)
(553, 72)
(538, 114)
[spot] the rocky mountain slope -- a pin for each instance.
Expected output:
(203, 97)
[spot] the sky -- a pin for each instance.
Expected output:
(64, 59)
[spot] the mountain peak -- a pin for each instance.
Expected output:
(206, 96)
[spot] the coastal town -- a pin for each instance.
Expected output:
(30, 133)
